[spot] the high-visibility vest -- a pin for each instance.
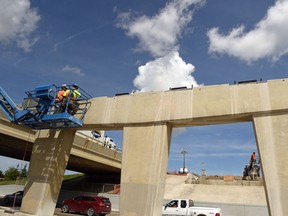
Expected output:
(75, 94)
(60, 95)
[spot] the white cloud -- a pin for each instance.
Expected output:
(73, 70)
(178, 131)
(159, 35)
(17, 21)
(163, 73)
(269, 38)
(27, 44)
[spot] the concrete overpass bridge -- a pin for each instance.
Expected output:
(147, 120)
(87, 156)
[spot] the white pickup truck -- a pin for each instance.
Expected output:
(185, 207)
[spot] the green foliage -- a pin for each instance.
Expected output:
(22, 181)
(1, 174)
(23, 172)
(11, 173)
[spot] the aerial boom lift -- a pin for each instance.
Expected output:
(40, 109)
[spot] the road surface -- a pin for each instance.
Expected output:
(10, 208)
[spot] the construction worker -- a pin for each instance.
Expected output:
(60, 106)
(75, 92)
(253, 158)
(252, 161)
(74, 95)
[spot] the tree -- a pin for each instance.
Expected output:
(24, 172)
(1, 174)
(11, 173)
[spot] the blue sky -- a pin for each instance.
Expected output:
(110, 47)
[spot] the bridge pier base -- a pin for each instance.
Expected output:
(272, 141)
(144, 166)
(49, 158)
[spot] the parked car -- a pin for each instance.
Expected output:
(87, 204)
(10, 198)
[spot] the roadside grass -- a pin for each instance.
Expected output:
(24, 181)
(72, 176)
(7, 182)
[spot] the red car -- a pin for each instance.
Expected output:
(88, 204)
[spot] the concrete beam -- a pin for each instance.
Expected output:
(16, 141)
(202, 105)
(19, 131)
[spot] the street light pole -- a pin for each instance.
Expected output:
(184, 152)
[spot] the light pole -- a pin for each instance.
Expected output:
(184, 152)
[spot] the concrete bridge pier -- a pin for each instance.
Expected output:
(272, 140)
(49, 158)
(144, 166)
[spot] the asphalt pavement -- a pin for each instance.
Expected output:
(11, 207)
(59, 213)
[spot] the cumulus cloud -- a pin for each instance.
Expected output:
(268, 39)
(158, 35)
(163, 73)
(73, 70)
(17, 21)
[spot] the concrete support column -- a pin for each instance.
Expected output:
(144, 167)
(49, 158)
(272, 140)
